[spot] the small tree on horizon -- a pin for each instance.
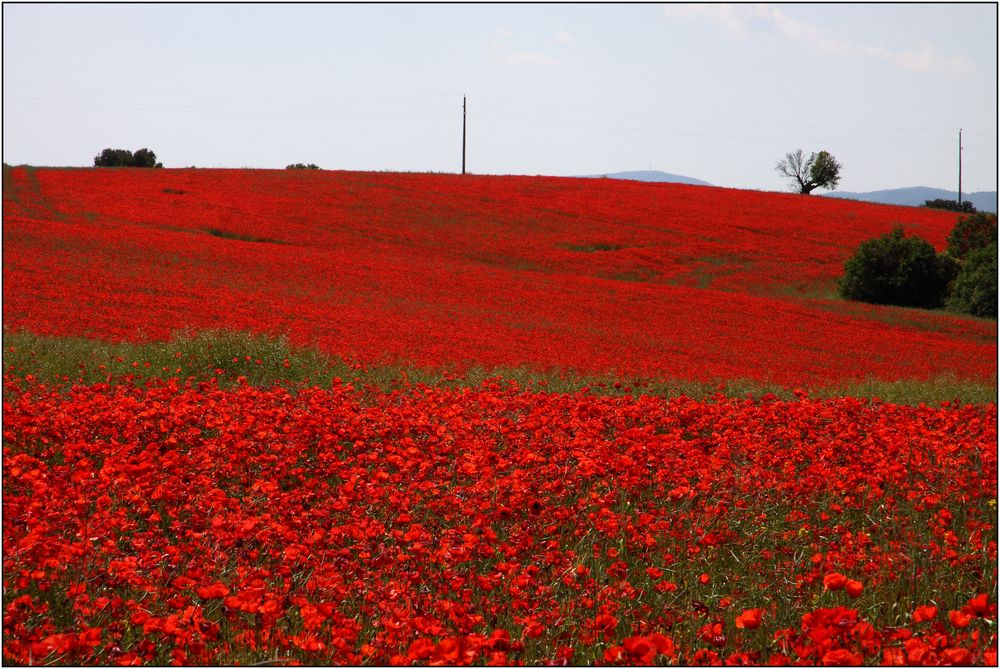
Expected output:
(819, 170)
(125, 158)
(950, 205)
(145, 158)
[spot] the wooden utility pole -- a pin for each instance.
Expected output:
(960, 169)
(463, 134)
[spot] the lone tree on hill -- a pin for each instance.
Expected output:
(819, 170)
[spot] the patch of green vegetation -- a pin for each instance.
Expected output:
(703, 271)
(506, 262)
(227, 234)
(639, 275)
(821, 290)
(928, 320)
(932, 391)
(8, 180)
(262, 360)
(592, 248)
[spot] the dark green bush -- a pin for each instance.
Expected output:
(302, 166)
(145, 158)
(896, 270)
(975, 288)
(125, 158)
(972, 232)
(951, 205)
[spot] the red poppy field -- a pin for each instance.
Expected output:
(432, 270)
(164, 508)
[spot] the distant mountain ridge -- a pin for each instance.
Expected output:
(915, 196)
(648, 175)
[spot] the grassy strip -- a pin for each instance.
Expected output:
(264, 361)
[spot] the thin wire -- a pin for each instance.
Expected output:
(980, 152)
(396, 111)
(231, 97)
(984, 134)
(710, 121)
(942, 144)
(499, 99)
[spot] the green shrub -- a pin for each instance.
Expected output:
(972, 232)
(896, 270)
(975, 288)
(950, 205)
(125, 158)
(302, 166)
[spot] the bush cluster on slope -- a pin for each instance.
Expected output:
(894, 269)
(975, 288)
(971, 233)
(906, 272)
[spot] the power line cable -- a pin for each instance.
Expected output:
(229, 97)
(499, 99)
(928, 144)
(295, 111)
(715, 122)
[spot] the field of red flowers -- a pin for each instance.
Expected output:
(425, 270)
(181, 523)
(159, 510)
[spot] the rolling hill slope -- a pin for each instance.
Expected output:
(447, 271)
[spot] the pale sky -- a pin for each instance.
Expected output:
(715, 92)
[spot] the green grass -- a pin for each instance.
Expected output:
(226, 234)
(592, 248)
(262, 360)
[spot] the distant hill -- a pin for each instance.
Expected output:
(649, 175)
(915, 196)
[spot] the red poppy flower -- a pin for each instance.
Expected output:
(957, 656)
(214, 591)
(842, 657)
(834, 581)
(421, 649)
(959, 619)
(664, 644)
(980, 605)
(640, 649)
(749, 619)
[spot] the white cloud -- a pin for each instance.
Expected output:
(563, 37)
(501, 52)
(734, 18)
(522, 58)
(739, 21)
